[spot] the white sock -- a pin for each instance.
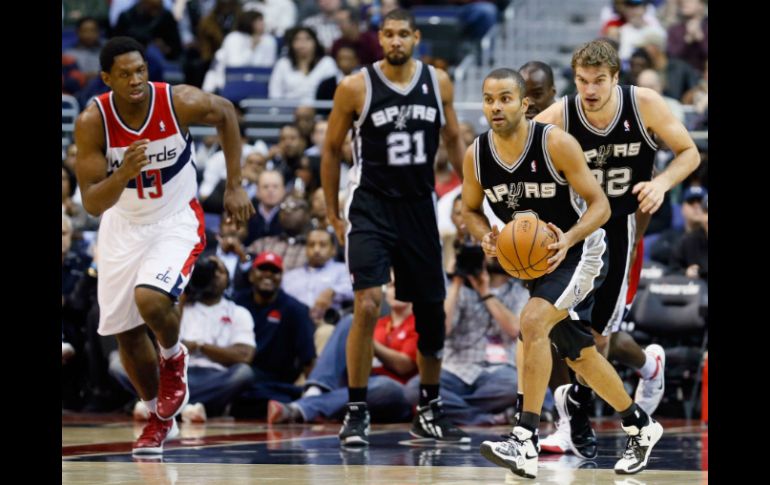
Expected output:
(168, 353)
(649, 368)
(152, 405)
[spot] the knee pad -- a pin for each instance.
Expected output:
(570, 337)
(429, 321)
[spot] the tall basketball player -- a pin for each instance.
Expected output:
(522, 165)
(135, 167)
(397, 107)
(616, 127)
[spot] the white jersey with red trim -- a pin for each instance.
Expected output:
(168, 183)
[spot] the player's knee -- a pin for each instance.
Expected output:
(429, 321)
(368, 305)
(153, 305)
(532, 327)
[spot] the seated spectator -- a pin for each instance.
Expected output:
(286, 155)
(152, 25)
(322, 284)
(297, 75)
(691, 254)
(324, 23)
(649, 78)
(637, 27)
(86, 51)
(81, 220)
(688, 39)
(640, 60)
(478, 371)
(304, 120)
(395, 361)
(280, 15)
(248, 46)
(692, 214)
(284, 336)
(219, 336)
(365, 44)
(294, 219)
(72, 78)
(270, 192)
(230, 249)
(679, 76)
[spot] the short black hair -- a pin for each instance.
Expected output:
(85, 19)
(118, 46)
(507, 73)
(400, 14)
(539, 66)
(245, 21)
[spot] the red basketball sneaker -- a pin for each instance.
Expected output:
(173, 393)
(154, 434)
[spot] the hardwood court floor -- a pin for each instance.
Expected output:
(97, 450)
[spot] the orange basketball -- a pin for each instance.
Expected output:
(522, 246)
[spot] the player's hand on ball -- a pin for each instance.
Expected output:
(561, 246)
(489, 242)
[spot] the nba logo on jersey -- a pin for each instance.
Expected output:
(424, 88)
(163, 126)
(626, 125)
(534, 166)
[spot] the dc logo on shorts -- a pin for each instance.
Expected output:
(164, 277)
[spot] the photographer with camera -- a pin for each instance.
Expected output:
(478, 375)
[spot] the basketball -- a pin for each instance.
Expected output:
(522, 246)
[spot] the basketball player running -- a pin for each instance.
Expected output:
(135, 166)
(398, 107)
(522, 165)
(615, 126)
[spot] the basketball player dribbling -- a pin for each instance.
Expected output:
(524, 165)
(616, 127)
(135, 167)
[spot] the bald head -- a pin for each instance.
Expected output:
(538, 77)
(649, 78)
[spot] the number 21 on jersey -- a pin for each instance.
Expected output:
(406, 148)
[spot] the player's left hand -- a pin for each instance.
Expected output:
(650, 195)
(561, 246)
(238, 206)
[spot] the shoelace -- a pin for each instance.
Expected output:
(632, 446)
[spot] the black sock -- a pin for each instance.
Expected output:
(519, 402)
(581, 394)
(356, 394)
(428, 392)
(634, 416)
(529, 421)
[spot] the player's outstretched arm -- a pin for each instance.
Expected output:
(657, 117)
(194, 106)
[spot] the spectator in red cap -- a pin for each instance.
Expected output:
(284, 336)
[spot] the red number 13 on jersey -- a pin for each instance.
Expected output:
(150, 179)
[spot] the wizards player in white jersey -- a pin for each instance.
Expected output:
(135, 167)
